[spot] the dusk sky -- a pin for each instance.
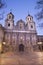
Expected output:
(20, 9)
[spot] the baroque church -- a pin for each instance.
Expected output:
(20, 37)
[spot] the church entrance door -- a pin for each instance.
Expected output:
(21, 47)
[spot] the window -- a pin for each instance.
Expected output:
(31, 26)
(28, 18)
(9, 24)
(10, 17)
(21, 26)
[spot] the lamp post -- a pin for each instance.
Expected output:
(0, 47)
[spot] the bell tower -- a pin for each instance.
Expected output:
(30, 23)
(9, 22)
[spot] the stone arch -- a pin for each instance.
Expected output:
(21, 47)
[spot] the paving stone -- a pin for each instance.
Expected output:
(32, 58)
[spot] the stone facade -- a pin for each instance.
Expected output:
(19, 37)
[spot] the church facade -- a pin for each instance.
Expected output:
(20, 37)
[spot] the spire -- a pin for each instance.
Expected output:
(10, 16)
(28, 13)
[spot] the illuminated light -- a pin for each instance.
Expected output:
(39, 42)
(4, 43)
(0, 46)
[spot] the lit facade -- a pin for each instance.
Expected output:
(20, 37)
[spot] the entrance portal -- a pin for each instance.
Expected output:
(21, 47)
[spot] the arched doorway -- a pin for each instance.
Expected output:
(21, 47)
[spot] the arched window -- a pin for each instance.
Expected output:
(8, 24)
(31, 26)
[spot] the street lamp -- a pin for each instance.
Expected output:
(0, 47)
(4, 43)
(39, 42)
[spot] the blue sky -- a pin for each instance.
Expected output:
(20, 9)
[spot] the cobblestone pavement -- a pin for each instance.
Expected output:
(31, 58)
